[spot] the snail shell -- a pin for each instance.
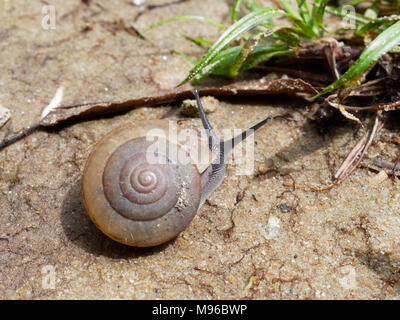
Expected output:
(138, 193)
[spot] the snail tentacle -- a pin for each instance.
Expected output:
(214, 142)
(213, 176)
(228, 145)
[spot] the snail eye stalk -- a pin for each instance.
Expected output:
(213, 141)
(223, 148)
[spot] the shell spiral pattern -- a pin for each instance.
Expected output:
(138, 188)
(140, 197)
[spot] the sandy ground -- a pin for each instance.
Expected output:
(256, 238)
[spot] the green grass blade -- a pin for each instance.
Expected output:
(263, 54)
(289, 9)
(355, 2)
(240, 59)
(223, 61)
(199, 41)
(245, 24)
(220, 64)
(185, 56)
(385, 42)
(304, 25)
(245, 52)
(304, 11)
(178, 18)
(288, 36)
(360, 19)
(318, 14)
(377, 24)
(235, 10)
(253, 5)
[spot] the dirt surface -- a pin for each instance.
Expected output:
(258, 237)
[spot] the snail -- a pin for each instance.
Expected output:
(138, 194)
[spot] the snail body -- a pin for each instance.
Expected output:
(141, 185)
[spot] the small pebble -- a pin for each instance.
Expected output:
(284, 207)
(189, 107)
(378, 178)
(274, 224)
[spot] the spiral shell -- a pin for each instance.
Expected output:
(136, 192)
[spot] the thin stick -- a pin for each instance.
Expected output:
(385, 106)
(354, 158)
(330, 56)
(20, 135)
(358, 152)
(386, 165)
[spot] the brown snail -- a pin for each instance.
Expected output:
(138, 194)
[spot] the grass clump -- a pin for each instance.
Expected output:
(254, 37)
